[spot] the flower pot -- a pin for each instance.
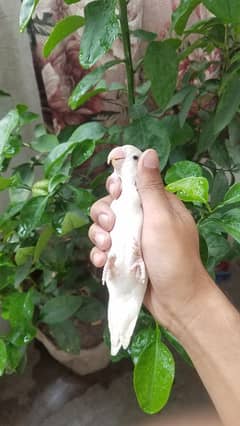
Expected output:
(86, 362)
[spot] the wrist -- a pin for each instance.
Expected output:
(199, 306)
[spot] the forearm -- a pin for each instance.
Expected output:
(210, 332)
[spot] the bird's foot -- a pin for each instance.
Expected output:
(138, 266)
(108, 270)
(139, 269)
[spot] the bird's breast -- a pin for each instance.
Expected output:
(126, 232)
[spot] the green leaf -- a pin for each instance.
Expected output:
(177, 135)
(218, 246)
(226, 10)
(7, 125)
(73, 220)
(208, 135)
(186, 105)
(233, 194)
(90, 131)
(101, 87)
(25, 176)
(67, 336)
(82, 153)
(18, 308)
(23, 254)
(25, 116)
(148, 132)
(144, 35)
(225, 223)
(32, 213)
(27, 9)
(140, 341)
(83, 198)
(40, 188)
(91, 310)
(11, 211)
(71, 1)
(228, 104)
(179, 97)
(3, 356)
(219, 153)
(4, 94)
(15, 356)
(81, 92)
(101, 29)
(161, 68)
(181, 170)
(181, 15)
(42, 242)
(60, 308)
(55, 181)
(230, 222)
(22, 272)
(192, 189)
(45, 143)
(153, 377)
(6, 182)
(219, 188)
(177, 346)
(7, 272)
(62, 29)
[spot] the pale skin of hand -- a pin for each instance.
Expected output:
(181, 295)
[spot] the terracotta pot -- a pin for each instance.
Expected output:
(86, 362)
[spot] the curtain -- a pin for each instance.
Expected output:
(58, 75)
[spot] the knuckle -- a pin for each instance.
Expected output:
(91, 232)
(153, 185)
(98, 207)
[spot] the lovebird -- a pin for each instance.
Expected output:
(124, 272)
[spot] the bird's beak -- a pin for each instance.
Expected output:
(115, 156)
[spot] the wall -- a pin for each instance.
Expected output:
(16, 69)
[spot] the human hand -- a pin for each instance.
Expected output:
(170, 243)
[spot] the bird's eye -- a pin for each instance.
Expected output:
(135, 157)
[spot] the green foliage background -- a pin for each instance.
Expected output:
(195, 128)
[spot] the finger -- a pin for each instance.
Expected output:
(102, 214)
(98, 257)
(113, 185)
(99, 237)
(150, 184)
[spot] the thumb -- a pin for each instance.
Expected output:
(150, 184)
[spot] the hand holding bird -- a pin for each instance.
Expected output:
(169, 243)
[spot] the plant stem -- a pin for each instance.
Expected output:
(127, 50)
(209, 207)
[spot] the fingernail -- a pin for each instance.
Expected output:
(103, 220)
(150, 160)
(100, 239)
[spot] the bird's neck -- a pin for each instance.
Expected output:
(128, 182)
(128, 189)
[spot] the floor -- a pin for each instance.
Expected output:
(47, 394)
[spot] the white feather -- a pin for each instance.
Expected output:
(125, 272)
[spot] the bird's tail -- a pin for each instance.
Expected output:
(122, 318)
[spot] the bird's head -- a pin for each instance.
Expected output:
(124, 160)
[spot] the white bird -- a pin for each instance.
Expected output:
(124, 272)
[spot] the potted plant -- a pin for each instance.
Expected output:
(48, 289)
(187, 108)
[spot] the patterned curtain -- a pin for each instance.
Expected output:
(58, 75)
